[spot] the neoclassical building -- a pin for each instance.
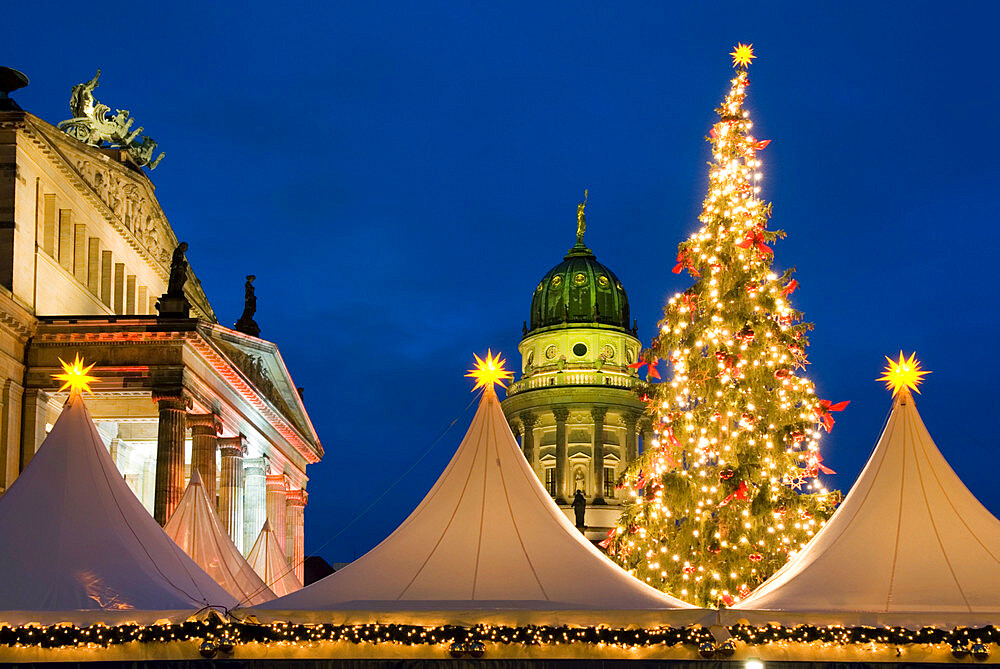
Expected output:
(85, 256)
(573, 408)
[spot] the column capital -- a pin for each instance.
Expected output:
(209, 422)
(599, 413)
(277, 482)
(232, 446)
(561, 414)
(171, 398)
(527, 419)
(630, 419)
(297, 497)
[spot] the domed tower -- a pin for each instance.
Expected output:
(573, 408)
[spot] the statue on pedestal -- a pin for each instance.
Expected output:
(246, 324)
(581, 219)
(173, 303)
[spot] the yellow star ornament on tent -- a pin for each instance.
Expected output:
(903, 375)
(489, 372)
(742, 55)
(75, 376)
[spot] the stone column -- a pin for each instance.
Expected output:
(295, 537)
(277, 493)
(515, 430)
(528, 420)
(630, 421)
(205, 428)
(254, 500)
(169, 454)
(562, 456)
(231, 486)
(34, 407)
(10, 430)
(597, 456)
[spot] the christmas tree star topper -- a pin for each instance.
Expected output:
(742, 55)
(489, 372)
(75, 376)
(903, 375)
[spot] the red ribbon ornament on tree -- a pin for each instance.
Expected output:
(824, 412)
(755, 238)
(740, 493)
(652, 372)
(789, 288)
(816, 465)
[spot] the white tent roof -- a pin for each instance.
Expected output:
(486, 537)
(74, 537)
(270, 563)
(909, 539)
(195, 527)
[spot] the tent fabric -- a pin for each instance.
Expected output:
(74, 538)
(486, 537)
(195, 527)
(909, 543)
(269, 562)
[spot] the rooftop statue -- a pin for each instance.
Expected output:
(246, 324)
(94, 124)
(174, 303)
(581, 219)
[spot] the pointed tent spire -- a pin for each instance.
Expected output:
(196, 528)
(270, 563)
(73, 537)
(486, 537)
(926, 544)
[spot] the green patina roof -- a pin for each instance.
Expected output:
(579, 290)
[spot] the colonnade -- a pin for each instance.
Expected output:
(525, 425)
(247, 493)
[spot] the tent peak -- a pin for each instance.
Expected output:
(195, 477)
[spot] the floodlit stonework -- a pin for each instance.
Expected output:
(85, 253)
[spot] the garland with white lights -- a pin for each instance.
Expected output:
(217, 635)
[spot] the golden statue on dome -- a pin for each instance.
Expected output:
(581, 219)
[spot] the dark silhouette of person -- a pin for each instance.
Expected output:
(580, 508)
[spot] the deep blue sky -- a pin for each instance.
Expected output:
(399, 176)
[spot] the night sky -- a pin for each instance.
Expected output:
(399, 176)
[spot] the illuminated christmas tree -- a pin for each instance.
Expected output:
(728, 489)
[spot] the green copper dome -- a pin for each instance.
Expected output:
(579, 290)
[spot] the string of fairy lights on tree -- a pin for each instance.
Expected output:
(729, 488)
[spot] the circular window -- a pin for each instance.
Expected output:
(551, 352)
(629, 356)
(539, 288)
(580, 349)
(603, 280)
(608, 351)
(531, 358)
(556, 280)
(580, 279)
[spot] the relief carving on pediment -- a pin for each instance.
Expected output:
(130, 206)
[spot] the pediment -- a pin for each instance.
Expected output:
(261, 364)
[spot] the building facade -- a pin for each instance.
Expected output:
(574, 408)
(85, 254)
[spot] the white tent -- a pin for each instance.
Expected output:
(910, 545)
(76, 545)
(486, 543)
(195, 527)
(270, 563)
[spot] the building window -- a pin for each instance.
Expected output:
(550, 480)
(609, 481)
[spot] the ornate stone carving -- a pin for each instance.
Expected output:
(94, 124)
(129, 205)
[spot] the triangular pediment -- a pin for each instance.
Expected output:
(261, 364)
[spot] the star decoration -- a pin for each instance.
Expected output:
(75, 376)
(903, 375)
(742, 55)
(489, 372)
